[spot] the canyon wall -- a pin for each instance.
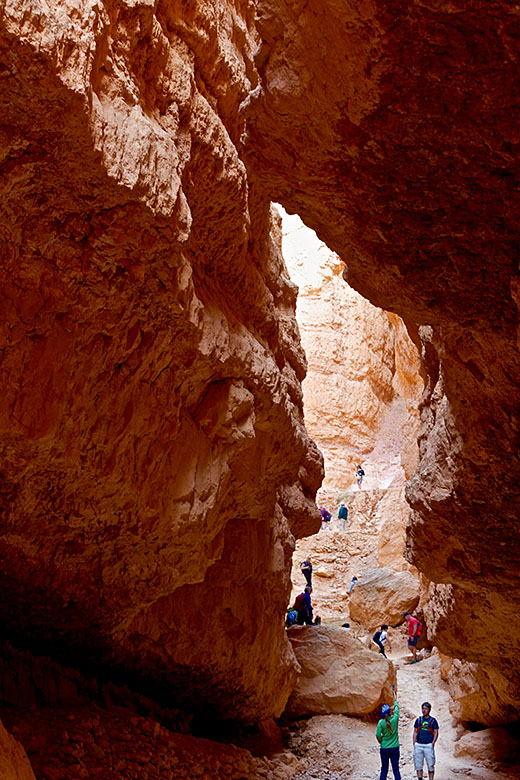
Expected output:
(361, 398)
(392, 130)
(154, 463)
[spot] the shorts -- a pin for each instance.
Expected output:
(422, 752)
(412, 641)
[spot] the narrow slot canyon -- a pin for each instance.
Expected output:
(247, 248)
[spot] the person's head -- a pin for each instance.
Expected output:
(307, 559)
(358, 466)
(308, 589)
(426, 708)
(354, 578)
(342, 503)
(384, 627)
(385, 710)
(407, 616)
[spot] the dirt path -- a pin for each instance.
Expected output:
(336, 747)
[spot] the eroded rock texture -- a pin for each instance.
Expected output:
(361, 397)
(154, 464)
(391, 128)
(339, 674)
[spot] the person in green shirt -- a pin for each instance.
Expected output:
(388, 737)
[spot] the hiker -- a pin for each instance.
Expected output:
(359, 476)
(425, 734)
(303, 607)
(291, 618)
(326, 517)
(388, 737)
(380, 637)
(414, 632)
(352, 584)
(342, 516)
(306, 568)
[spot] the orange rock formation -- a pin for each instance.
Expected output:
(154, 461)
(390, 129)
(155, 468)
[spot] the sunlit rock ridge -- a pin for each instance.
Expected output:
(154, 464)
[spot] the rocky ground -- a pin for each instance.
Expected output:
(335, 747)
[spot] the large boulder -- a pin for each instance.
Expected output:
(338, 674)
(382, 596)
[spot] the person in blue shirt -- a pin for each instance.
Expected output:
(306, 568)
(342, 516)
(425, 735)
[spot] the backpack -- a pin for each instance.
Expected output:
(428, 723)
(299, 604)
(291, 618)
(419, 628)
(376, 637)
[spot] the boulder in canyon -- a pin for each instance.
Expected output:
(382, 596)
(338, 673)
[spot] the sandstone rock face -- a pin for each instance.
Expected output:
(338, 674)
(14, 764)
(481, 689)
(370, 123)
(363, 385)
(374, 536)
(155, 467)
(382, 596)
(478, 693)
(361, 398)
(492, 744)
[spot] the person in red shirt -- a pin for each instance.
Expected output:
(414, 632)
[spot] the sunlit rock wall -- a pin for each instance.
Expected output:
(391, 128)
(154, 464)
(361, 399)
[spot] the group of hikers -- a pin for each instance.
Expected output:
(425, 735)
(301, 612)
(414, 632)
(326, 516)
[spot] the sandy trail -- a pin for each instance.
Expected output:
(336, 747)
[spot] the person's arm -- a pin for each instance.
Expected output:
(415, 732)
(414, 629)
(379, 735)
(435, 736)
(396, 708)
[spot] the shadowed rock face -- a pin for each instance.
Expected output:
(154, 464)
(389, 128)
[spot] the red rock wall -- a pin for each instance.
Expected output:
(391, 129)
(154, 463)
